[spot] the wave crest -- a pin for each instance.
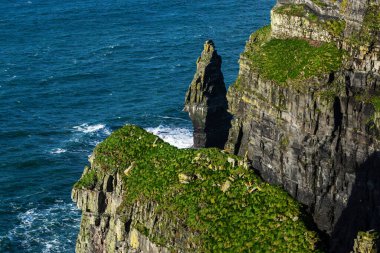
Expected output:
(176, 136)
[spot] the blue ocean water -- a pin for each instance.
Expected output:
(73, 71)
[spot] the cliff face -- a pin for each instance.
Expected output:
(142, 195)
(206, 101)
(306, 116)
(102, 229)
(308, 123)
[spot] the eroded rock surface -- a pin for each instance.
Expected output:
(317, 137)
(141, 194)
(206, 100)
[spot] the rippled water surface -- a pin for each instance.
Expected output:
(71, 72)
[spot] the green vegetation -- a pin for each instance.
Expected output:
(213, 194)
(282, 60)
(370, 30)
(319, 3)
(328, 95)
(344, 5)
(284, 142)
(366, 242)
(88, 180)
(334, 26)
(375, 101)
(298, 10)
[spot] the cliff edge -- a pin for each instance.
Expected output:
(306, 111)
(141, 194)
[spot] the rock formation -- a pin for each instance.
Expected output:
(142, 195)
(306, 116)
(206, 101)
(316, 135)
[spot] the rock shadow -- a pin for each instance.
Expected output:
(363, 209)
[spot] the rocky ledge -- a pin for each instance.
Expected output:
(306, 106)
(142, 195)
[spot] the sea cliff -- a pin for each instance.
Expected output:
(305, 107)
(303, 115)
(140, 194)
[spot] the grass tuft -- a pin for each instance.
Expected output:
(87, 181)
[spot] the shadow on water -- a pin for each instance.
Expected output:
(363, 209)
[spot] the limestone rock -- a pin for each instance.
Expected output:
(366, 242)
(206, 100)
(226, 185)
(331, 160)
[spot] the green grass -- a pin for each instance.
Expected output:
(88, 180)
(370, 29)
(375, 101)
(292, 10)
(334, 26)
(285, 60)
(250, 216)
(319, 3)
(327, 95)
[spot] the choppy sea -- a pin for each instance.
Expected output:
(71, 72)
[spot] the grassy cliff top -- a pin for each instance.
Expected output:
(284, 60)
(214, 194)
(333, 26)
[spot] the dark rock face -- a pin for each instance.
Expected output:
(323, 151)
(206, 101)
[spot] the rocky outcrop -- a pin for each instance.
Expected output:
(206, 101)
(142, 195)
(318, 137)
(309, 123)
(109, 226)
(102, 228)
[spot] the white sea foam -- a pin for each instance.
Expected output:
(113, 46)
(175, 118)
(47, 228)
(83, 138)
(58, 151)
(179, 137)
(86, 128)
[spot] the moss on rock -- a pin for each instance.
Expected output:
(88, 180)
(283, 60)
(334, 26)
(247, 216)
(370, 30)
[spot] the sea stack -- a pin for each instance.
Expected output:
(206, 100)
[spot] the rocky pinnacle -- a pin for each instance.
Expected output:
(206, 100)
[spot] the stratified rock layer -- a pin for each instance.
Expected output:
(206, 101)
(318, 137)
